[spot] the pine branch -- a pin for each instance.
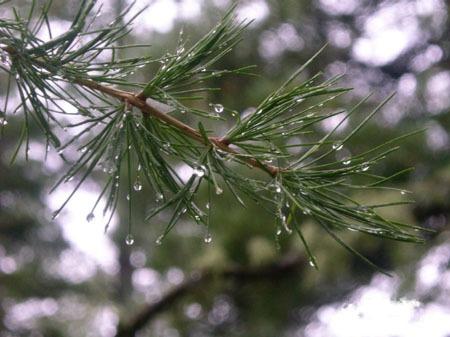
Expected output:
(133, 129)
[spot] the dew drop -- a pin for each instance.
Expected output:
(218, 108)
(275, 187)
(299, 99)
(159, 240)
(55, 214)
(337, 146)
(197, 218)
(219, 191)
(278, 231)
(159, 197)
(137, 185)
(90, 217)
(199, 171)
(128, 197)
(312, 263)
(207, 238)
(365, 167)
(403, 192)
(129, 240)
(207, 205)
(3, 121)
(83, 149)
(347, 161)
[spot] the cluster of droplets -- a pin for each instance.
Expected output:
(4, 56)
(282, 208)
(346, 157)
(208, 237)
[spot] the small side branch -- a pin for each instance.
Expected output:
(285, 266)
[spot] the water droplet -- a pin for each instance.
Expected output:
(199, 171)
(3, 121)
(337, 146)
(207, 205)
(219, 191)
(55, 214)
(60, 151)
(312, 263)
(90, 217)
(183, 210)
(137, 185)
(278, 231)
(218, 108)
(159, 197)
(207, 238)
(139, 168)
(403, 192)
(306, 211)
(128, 197)
(299, 99)
(347, 161)
(129, 240)
(83, 149)
(183, 111)
(275, 187)
(166, 146)
(197, 218)
(159, 240)
(365, 167)
(320, 105)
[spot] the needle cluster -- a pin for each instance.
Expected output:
(133, 132)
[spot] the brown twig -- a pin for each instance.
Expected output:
(286, 265)
(138, 101)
